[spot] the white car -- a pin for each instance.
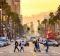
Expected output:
(51, 43)
(2, 44)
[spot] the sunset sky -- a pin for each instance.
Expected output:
(29, 7)
(33, 10)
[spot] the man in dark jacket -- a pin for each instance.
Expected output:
(16, 46)
(47, 46)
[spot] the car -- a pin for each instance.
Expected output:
(8, 42)
(42, 40)
(26, 44)
(5, 41)
(51, 43)
(32, 39)
(2, 44)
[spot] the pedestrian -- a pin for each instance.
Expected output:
(22, 45)
(47, 46)
(38, 46)
(16, 46)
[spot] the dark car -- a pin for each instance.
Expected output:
(26, 44)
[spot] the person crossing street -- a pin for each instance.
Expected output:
(16, 46)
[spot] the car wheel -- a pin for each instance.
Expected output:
(57, 45)
(54, 45)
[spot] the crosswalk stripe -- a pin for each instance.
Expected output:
(11, 52)
(34, 53)
(55, 52)
(1, 52)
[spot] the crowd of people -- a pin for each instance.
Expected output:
(36, 46)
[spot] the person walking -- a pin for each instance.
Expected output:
(22, 45)
(47, 46)
(16, 46)
(38, 46)
(35, 45)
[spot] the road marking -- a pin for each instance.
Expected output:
(55, 52)
(42, 54)
(31, 51)
(1, 52)
(11, 52)
(43, 51)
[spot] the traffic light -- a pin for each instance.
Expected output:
(28, 28)
(38, 29)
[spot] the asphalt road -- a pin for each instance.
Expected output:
(8, 51)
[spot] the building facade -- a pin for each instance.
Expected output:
(15, 5)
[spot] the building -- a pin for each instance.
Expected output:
(15, 5)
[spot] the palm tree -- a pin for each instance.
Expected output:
(52, 21)
(45, 23)
(58, 15)
(14, 16)
(31, 27)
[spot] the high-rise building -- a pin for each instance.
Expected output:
(15, 5)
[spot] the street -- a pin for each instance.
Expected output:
(8, 51)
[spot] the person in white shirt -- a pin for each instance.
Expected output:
(22, 45)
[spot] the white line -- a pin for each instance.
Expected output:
(31, 51)
(55, 52)
(11, 52)
(43, 51)
(1, 52)
(42, 54)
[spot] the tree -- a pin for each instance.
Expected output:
(31, 27)
(11, 15)
(45, 23)
(58, 15)
(15, 18)
(52, 21)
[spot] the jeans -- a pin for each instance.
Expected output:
(16, 47)
(47, 47)
(22, 48)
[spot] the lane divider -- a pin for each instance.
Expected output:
(1, 52)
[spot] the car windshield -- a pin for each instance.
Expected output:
(32, 37)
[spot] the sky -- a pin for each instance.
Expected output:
(33, 7)
(33, 10)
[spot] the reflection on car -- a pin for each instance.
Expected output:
(5, 42)
(51, 43)
(2, 44)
